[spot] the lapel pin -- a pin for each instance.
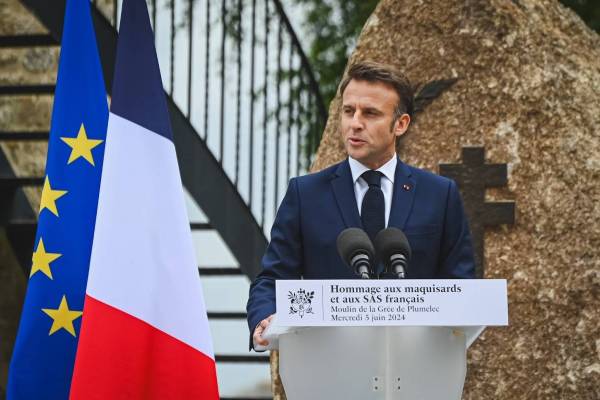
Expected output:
(406, 187)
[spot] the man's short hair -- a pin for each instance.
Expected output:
(371, 71)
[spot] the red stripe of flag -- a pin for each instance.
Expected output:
(134, 360)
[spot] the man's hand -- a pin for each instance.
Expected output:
(259, 330)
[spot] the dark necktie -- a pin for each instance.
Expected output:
(372, 211)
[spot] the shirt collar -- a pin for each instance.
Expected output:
(388, 169)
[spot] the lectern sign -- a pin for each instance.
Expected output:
(441, 302)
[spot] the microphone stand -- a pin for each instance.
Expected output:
(361, 265)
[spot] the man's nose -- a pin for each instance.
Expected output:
(357, 122)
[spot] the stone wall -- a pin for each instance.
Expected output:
(20, 66)
(528, 90)
(25, 66)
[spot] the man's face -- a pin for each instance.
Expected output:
(367, 113)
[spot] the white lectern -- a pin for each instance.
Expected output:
(374, 362)
(397, 351)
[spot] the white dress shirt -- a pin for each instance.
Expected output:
(387, 183)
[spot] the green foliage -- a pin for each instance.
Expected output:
(588, 10)
(334, 26)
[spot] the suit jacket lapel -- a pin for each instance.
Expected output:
(404, 193)
(343, 190)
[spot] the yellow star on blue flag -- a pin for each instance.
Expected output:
(62, 317)
(49, 197)
(81, 146)
(41, 260)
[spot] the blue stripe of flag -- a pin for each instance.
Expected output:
(138, 94)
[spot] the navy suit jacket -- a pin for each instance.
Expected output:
(317, 207)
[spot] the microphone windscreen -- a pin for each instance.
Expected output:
(352, 241)
(391, 241)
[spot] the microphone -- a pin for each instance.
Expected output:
(394, 250)
(356, 249)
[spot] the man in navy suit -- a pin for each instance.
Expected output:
(377, 104)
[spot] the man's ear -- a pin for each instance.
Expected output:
(401, 125)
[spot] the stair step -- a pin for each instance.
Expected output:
(27, 41)
(23, 136)
(246, 398)
(12, 90)
(227, 315)
(241, 358)
(26, 225)
(219, 271)
(11, 182)
(200, 226)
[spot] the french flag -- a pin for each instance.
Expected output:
(144, 332)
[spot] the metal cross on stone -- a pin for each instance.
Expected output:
(473, 176)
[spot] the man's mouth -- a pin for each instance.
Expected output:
(356, 141)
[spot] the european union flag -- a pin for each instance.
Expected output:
(44, 352)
